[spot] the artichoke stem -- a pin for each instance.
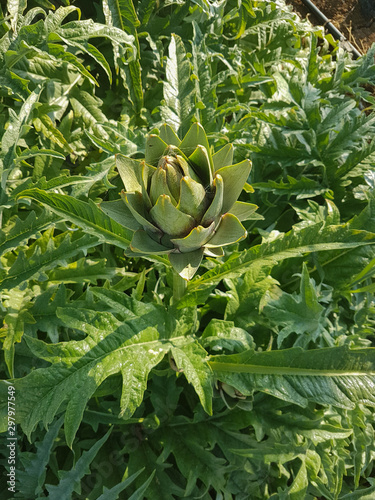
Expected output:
(179, 287)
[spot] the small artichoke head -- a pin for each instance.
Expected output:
(183, 201)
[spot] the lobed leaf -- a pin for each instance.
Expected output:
(296, 243)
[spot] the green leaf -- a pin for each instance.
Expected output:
(296, 243)
(178, 88)
(194, 462)
(31, 479)
(113, 493)
(301, 188)
(16, 127)
(122, 15)
(35, 263)
(222, 335)
(17, 233)
(70, 480)
(87, 107)
(130, 172)
(80, 31)
(301, 314)
(16, 8)
(131, 347)
(190, 358)
(14, 323)
(32, 153)
(139, 494)
(331, 376)
(85, 215)
(43, 124)
(79, 367)
(82, 271)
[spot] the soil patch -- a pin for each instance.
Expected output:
(346, 16)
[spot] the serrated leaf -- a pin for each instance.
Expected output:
(44, 311)
(301, 188)
(300, 314)
(293, 244)
(178, 88)
(139, 494)
(32, 153)
(131, 347)
(82, 271)
(44, 124)
(113, 493)
(331, 376)
(17, 233)
(15, 8)
(26, 267)
(15, 128)
(190, 358)
(222, 335)
(87, 107)
(14, 322)
(31, 477)
(71, 479)
(122, 15)
(86, 215)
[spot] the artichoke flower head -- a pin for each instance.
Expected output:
(181, 200)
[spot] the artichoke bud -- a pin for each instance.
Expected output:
(174, 174)
(184, 199)
(159, 186)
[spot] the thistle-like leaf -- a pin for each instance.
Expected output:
(331, 376)
(131, 347)
(85, 215)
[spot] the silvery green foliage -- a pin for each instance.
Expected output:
(259, 382)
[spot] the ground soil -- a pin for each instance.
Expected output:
(346, 16)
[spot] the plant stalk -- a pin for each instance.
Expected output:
(179, 287)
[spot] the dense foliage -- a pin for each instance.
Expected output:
(256, 382)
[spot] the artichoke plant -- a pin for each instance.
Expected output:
(181, 200)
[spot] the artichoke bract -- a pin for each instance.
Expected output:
(181, 200)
